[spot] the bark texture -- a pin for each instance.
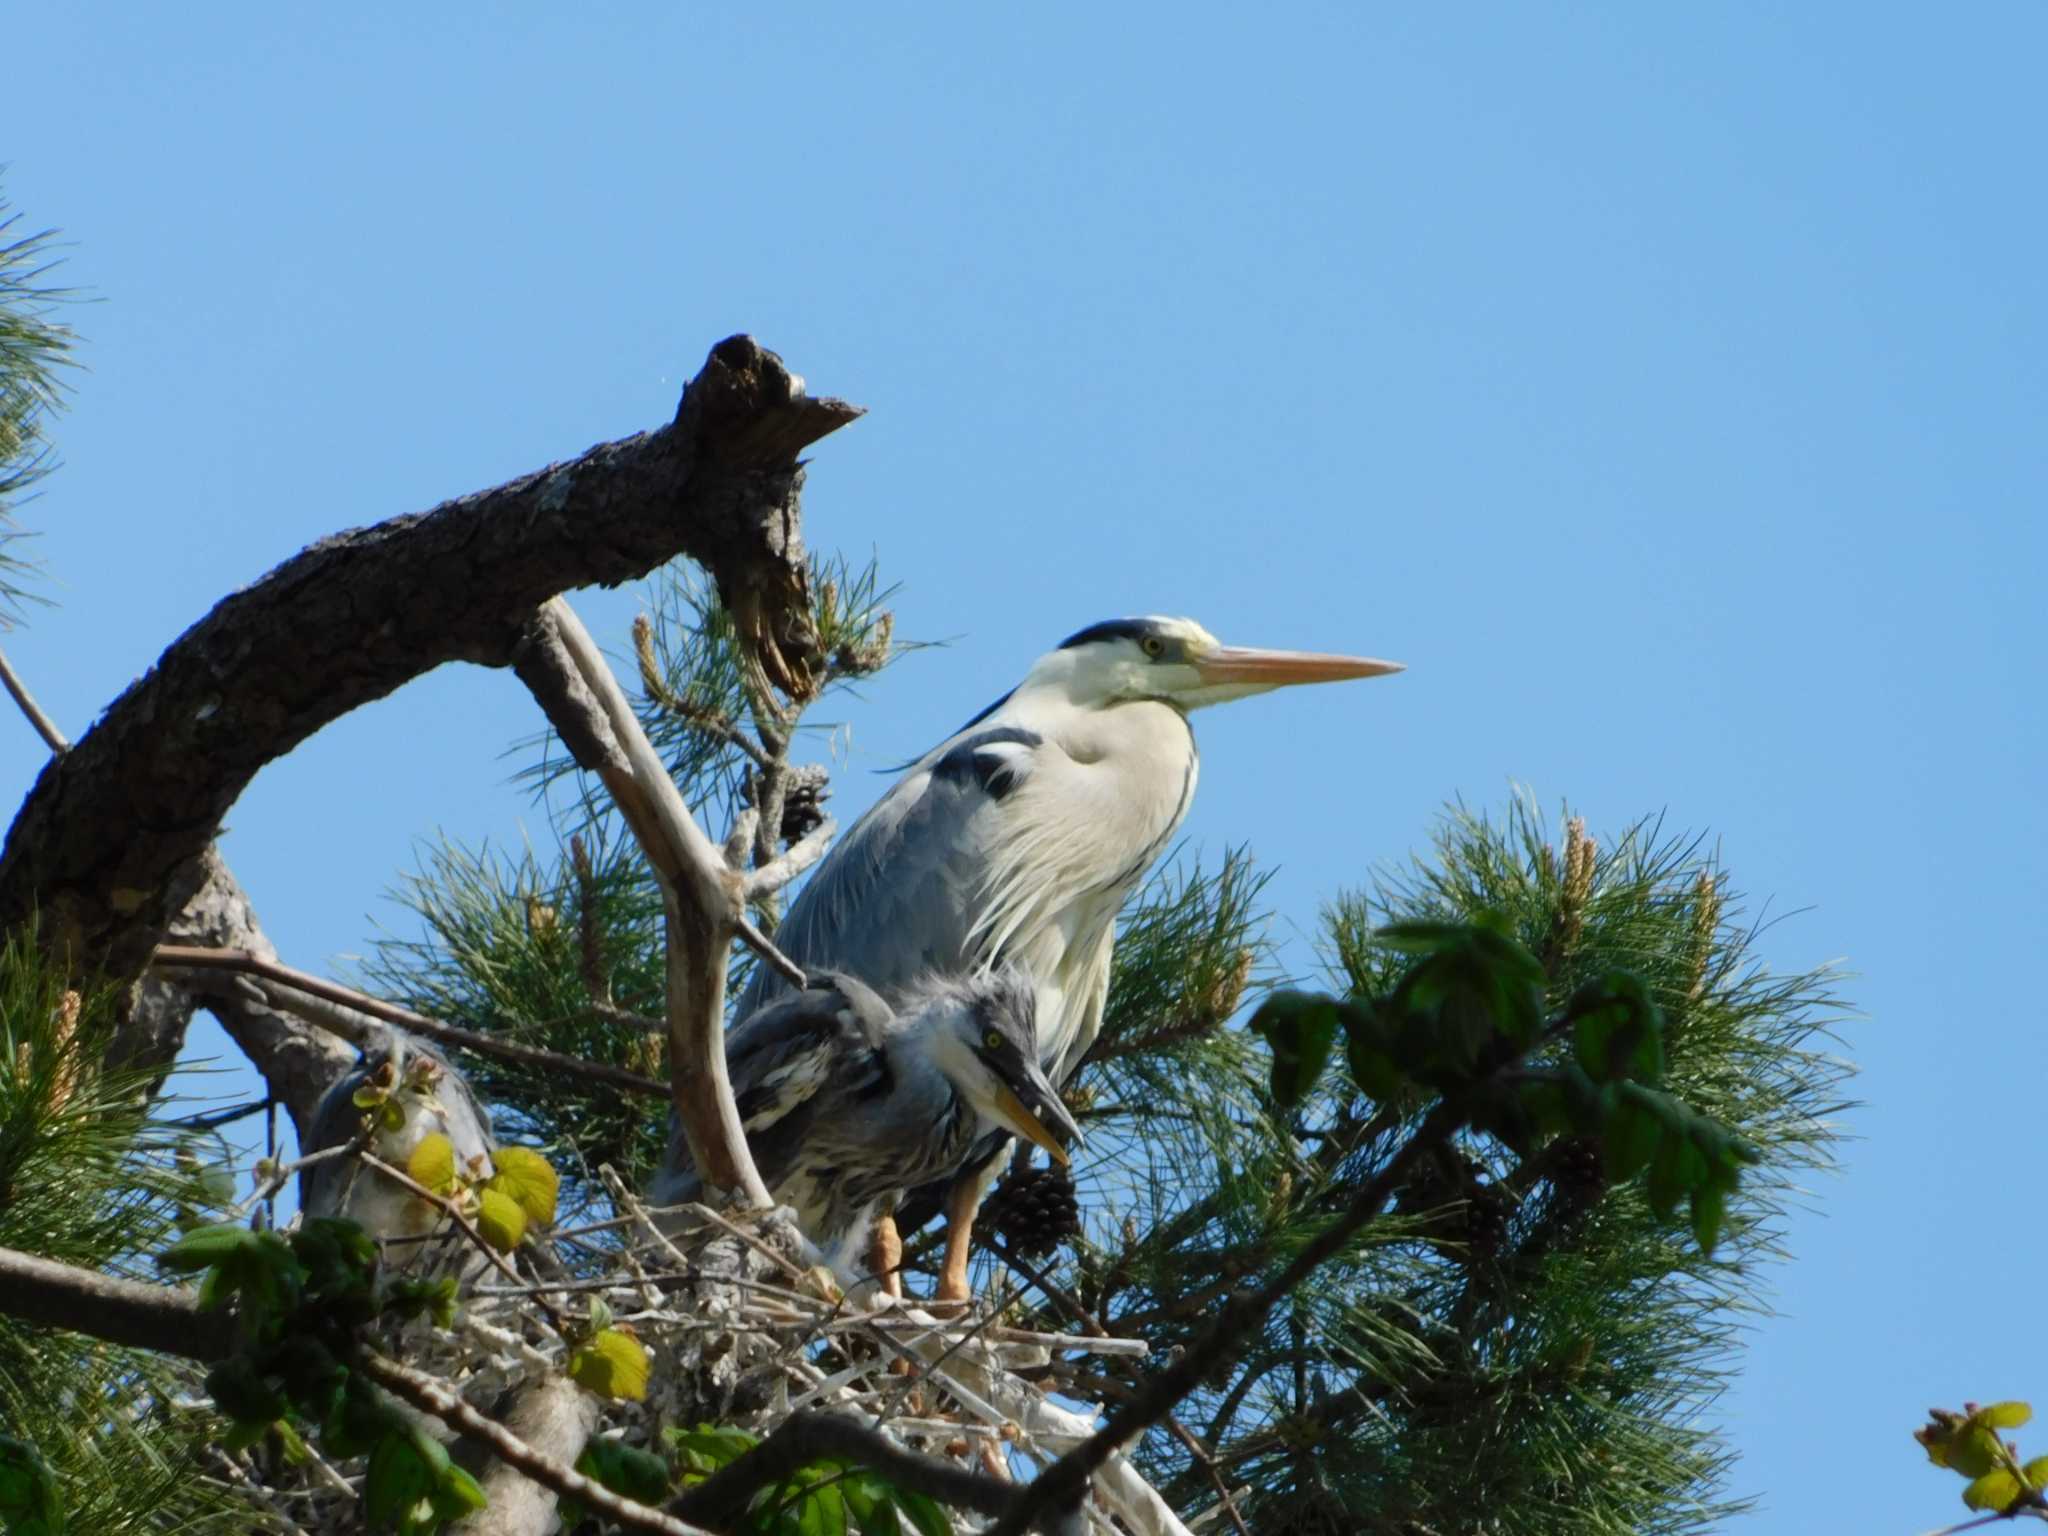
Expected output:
(105, 833)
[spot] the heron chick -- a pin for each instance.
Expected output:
(846, 1102)
(429, 1095)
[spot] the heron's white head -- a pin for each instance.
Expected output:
(1178, 662)
(983, 1035)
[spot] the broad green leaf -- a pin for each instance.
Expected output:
(529, 1179)
(925, 1515)
(29, 1500)
(500, 1219)
(613, 1364)
(1635, 1128)
(456, 1494)
(432, 1163)
(204, 1247)
(2006, 1415)
(397, 1479)
(2036, 1472)
(1709, 1212)
(1299, 1028)
(1367, 1049)
(822, 1512)
(1996, 1491)
(239, 1391)
(626, 1469)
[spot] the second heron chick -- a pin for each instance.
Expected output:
(846, 1103)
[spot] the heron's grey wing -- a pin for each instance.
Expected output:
(780, 1059)
(896, 897)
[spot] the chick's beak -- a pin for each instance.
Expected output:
(1020, 1105)
(1277, 669)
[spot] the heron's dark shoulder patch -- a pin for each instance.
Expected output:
(981, 760)
(1112, 629)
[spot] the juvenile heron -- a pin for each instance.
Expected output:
(1017, 839)
(430, 1095)
(846, 1103)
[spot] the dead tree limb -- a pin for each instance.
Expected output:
(703, 897)
(108, 825)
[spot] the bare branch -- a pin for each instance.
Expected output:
(432, 1396)
(164, 1318)
(701, 895)
(45, 727)
(187, 957)
(1237, 1322)
(97, 841)
(778, 872)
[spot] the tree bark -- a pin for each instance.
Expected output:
(109, 825)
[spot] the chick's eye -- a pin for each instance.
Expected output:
(1154, 646)
(993, 1039)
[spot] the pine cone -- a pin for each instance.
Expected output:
(1486, 1221)
(1577, 1169)
(1034, 1208)
(804, 793)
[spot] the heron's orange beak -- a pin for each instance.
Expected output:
(1277, 669)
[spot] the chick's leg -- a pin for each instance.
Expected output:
(885, 1254)
(961, 1202)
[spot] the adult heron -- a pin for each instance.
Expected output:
(1017, 839)
(847, 1102)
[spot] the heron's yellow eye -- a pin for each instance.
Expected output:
(1154, 646)
(993, 1039)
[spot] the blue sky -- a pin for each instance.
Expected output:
(1664, 386)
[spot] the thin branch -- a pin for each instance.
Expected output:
(779, 871)
(391, 1013)
(45, 727)
(433, 1396)
(1088, 1320)
(1065, 1481)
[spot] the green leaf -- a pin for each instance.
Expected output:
(822, 1512)
(1675, 1172)
(500, 1219)
(613, 1364)
(1299, 1028)
(457, 1494)
(529, 1179)
(2036, 1472)
(2006, 1415)
(432, 1163)
(1368, 1052)
(626, 1469)
(29, 1501)
(397, 1479)
(925, 1515)
(1636, 1127)
(1709, 1212)
(204, 1247)
(1996, 1491)
(239, 1391)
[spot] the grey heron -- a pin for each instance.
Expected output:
(429, 1095)
(1017, 839)
(847, 1102)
